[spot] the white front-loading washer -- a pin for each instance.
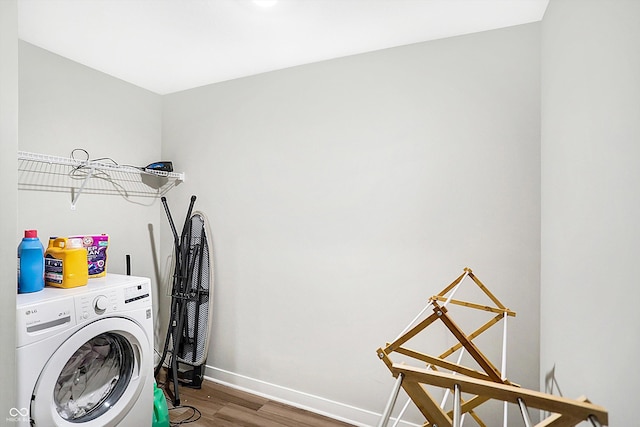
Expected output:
(84, 355)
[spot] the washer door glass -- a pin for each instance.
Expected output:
(94, 378)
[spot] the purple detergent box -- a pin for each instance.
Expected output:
(96, 253)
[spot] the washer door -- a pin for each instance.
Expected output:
(95, 377)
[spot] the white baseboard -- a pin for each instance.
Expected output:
(299, 399)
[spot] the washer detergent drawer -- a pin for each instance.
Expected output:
(95, 377)
(39, 321)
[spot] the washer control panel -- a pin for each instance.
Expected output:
(136, 293)
(100, 304)
(47, 312)
(108, 300)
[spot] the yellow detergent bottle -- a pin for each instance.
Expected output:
(65, 263)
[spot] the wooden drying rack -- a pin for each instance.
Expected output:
(485, 384)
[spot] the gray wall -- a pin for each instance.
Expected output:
(65, 105)
(590, 201)
(8, 195)
(343, 194)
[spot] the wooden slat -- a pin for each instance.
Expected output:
(478, 419)
(559, 420)
(382, 355)
(495, 300)
(431, 360)
(469, 406)
(471, 348)
(473, 335)
(411, 333)
(425, 403)
(473, 403)
(555, 404)
(475, 306)
(453, 284)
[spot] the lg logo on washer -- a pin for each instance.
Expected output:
(17, 415)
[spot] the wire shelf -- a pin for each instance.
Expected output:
(41, 172)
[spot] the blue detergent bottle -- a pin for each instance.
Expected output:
(30, 263)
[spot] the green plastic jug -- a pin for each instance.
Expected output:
(160, 410)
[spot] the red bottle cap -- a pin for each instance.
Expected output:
(31, 233)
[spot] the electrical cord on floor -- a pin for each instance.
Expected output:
(195, 416)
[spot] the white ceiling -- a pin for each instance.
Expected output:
(171, 45)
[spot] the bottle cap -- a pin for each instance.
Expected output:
(31, 234)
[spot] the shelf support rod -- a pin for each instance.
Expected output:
(77, 195)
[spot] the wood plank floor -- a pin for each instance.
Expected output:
(222, 406)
